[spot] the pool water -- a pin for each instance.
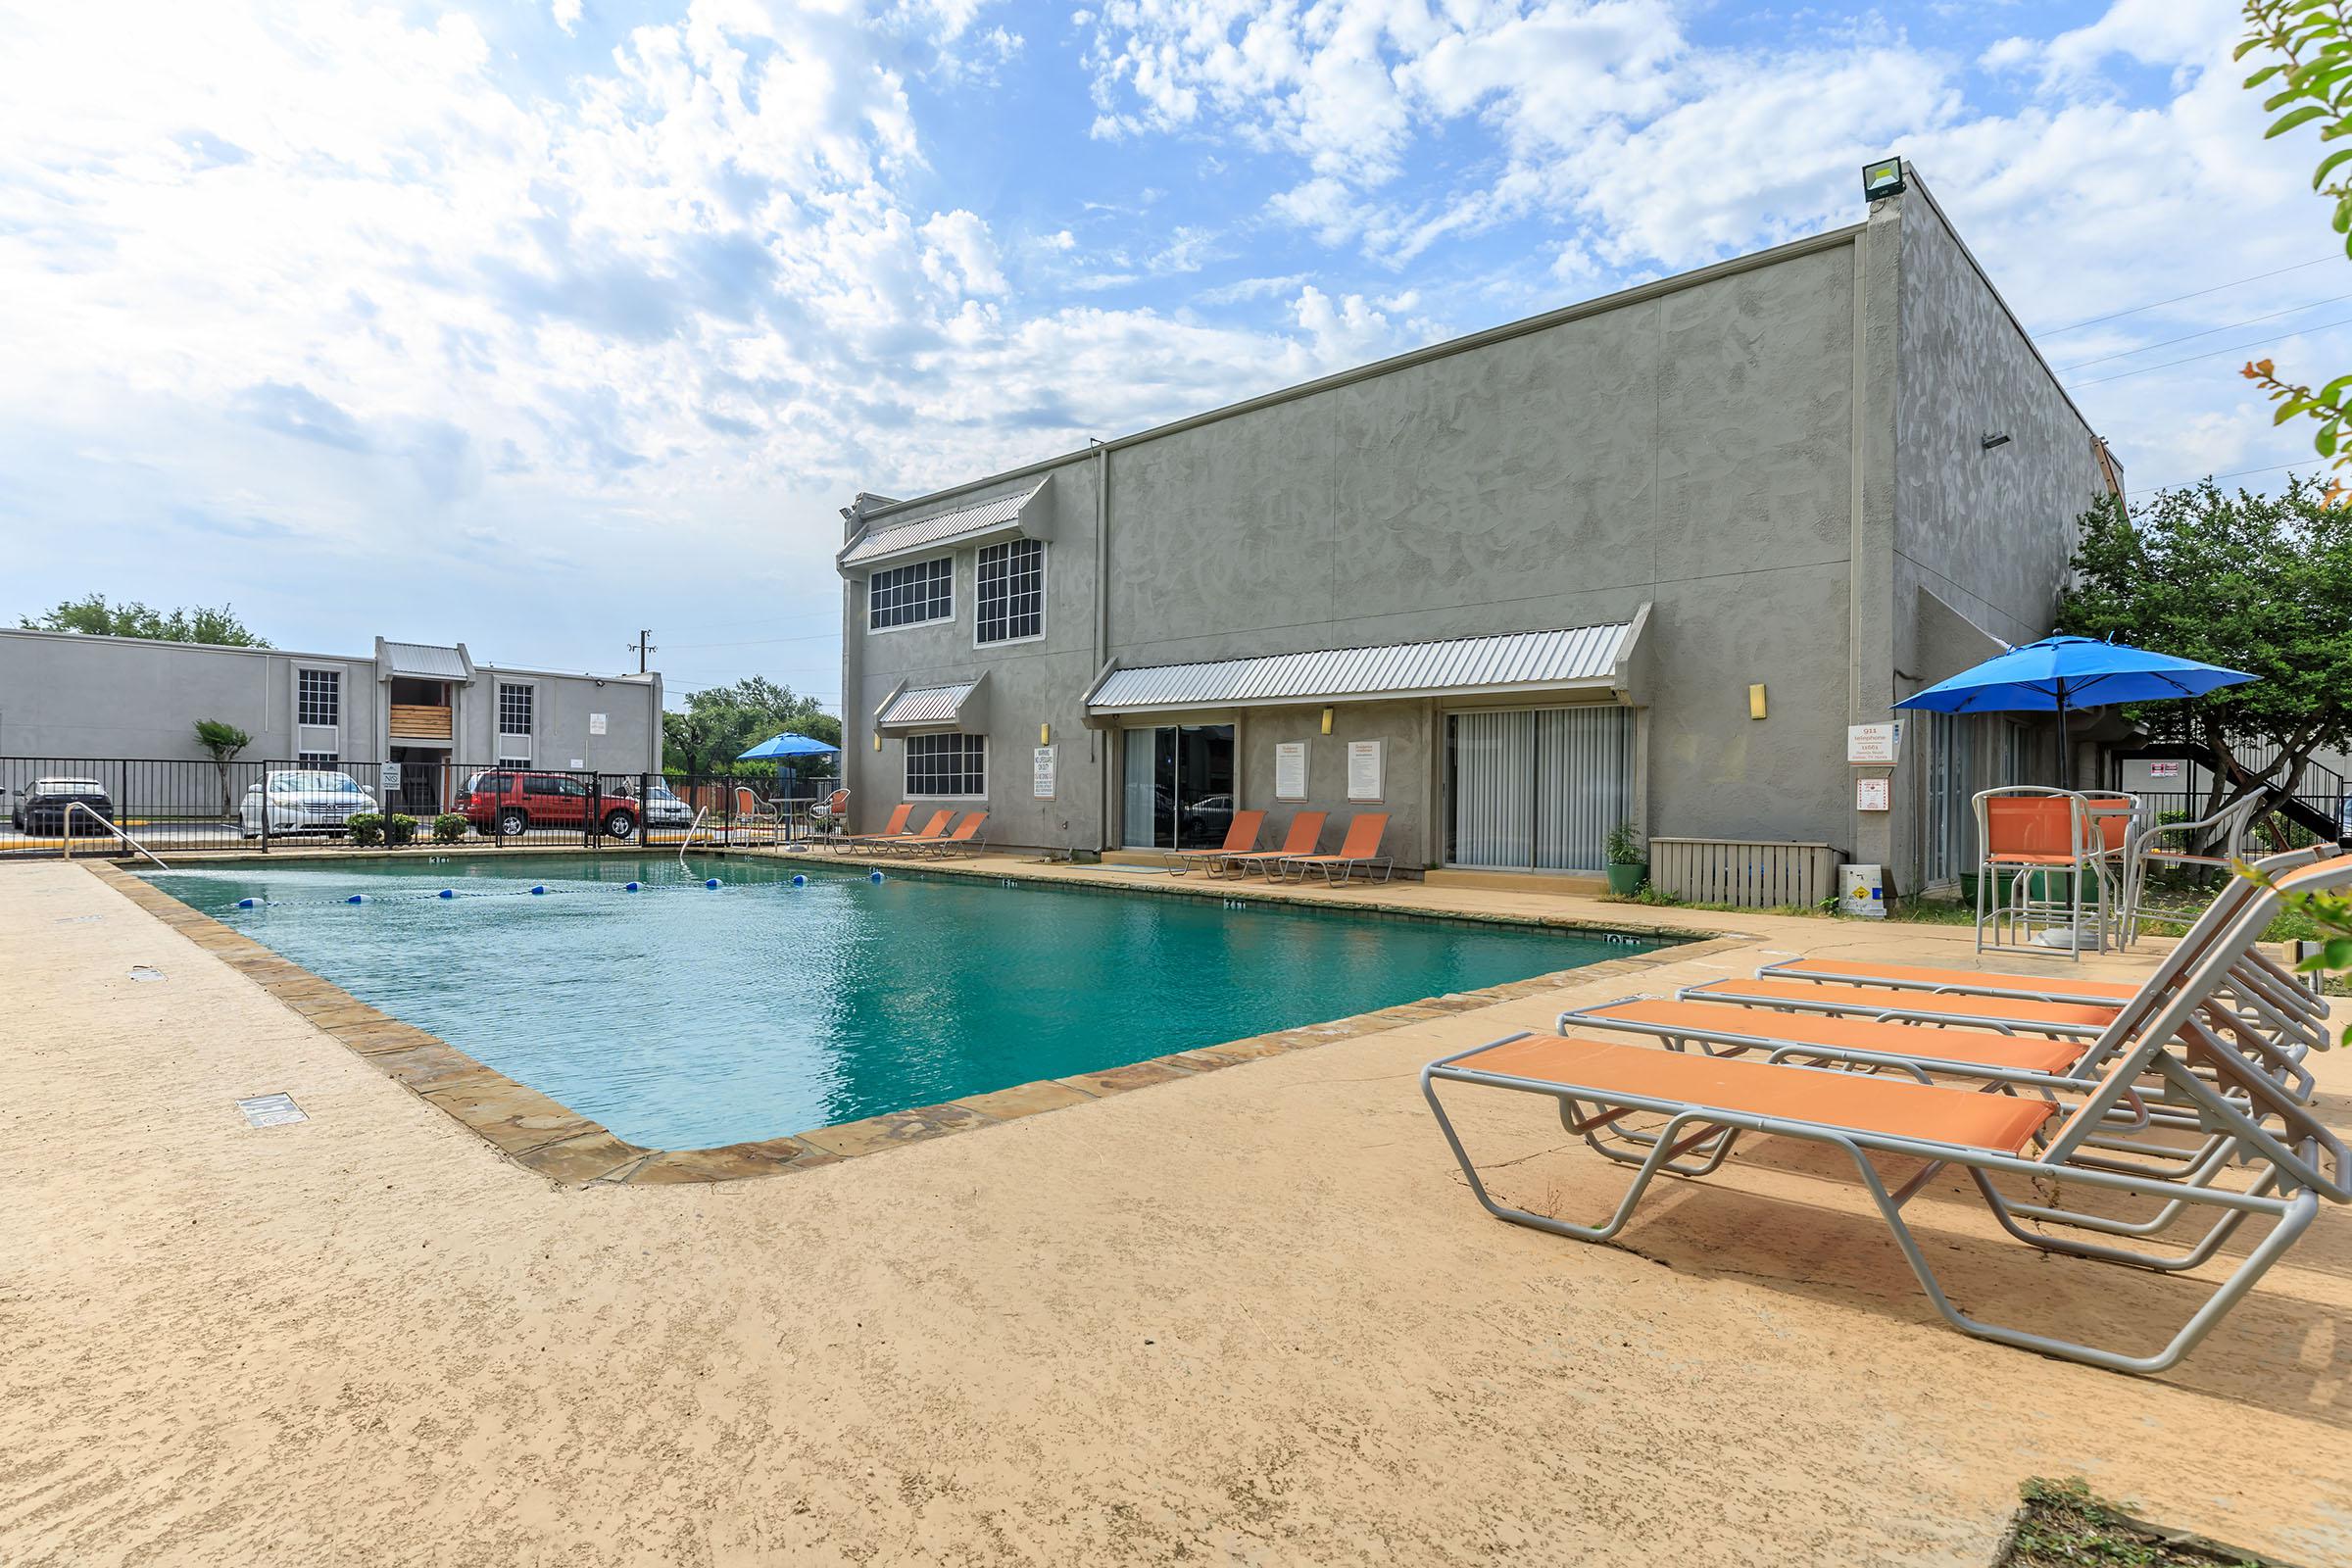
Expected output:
(682, 1017)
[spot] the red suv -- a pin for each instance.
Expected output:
(508, 803)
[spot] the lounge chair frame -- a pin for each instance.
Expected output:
(1208, 860)
(1711, 1133)
(1340, 867)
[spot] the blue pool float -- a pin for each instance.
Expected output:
(632, 887)
(248, 903)
(799, 880)
(874, 876)
(445, 892)
(357, 897)
(712, 882)
(538, 888)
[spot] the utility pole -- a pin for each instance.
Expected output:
(643, 646)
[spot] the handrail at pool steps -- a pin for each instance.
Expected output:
(91, 812)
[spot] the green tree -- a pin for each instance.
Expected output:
(722, 722)
(93, 616)
(2257, 583)
(223, 741)
(2303, 50)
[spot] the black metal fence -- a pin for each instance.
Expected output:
(176, 805)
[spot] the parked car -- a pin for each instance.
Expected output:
(662, 809)
(302, 801)
(1206, 820)
(511, 803)
(41, 809)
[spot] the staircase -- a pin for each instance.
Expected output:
(2316, 807)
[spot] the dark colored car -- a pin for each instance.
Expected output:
(509, 803)
(41, 809)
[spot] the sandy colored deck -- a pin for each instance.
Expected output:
(1248, 1316)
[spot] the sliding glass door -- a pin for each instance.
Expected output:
(1178, 786)
(1537, 789)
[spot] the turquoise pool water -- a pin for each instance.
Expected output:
(682, 1017)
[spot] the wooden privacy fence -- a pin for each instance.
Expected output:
(1750, 874)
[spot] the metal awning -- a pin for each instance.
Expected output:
(957, 706)
(1005, 517)
(423, 661)
(1581, 659)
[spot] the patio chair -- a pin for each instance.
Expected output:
(965, 840)
(827, 814)
(896, 828)
(2147, 846)
(750, 812)
(1708, 1104)
(1241, 837)
(2028, 835)
(1360, 849)
(1305, 833)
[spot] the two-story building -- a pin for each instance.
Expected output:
(1645, 559)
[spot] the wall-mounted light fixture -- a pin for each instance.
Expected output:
(877, 740)
(1755, 700)
(1993, 438)
(1327, 721)
(1884, 178)
(1045, 734)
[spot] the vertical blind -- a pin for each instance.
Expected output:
(1538, 789)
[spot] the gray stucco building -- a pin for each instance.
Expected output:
(1644, 559)
(66, 698)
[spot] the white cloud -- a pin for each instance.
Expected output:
(566, 12)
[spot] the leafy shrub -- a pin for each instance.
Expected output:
(448, 828)
(365, 828)
(400, 828)
(1624, 847)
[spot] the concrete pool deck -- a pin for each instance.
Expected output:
(1243, 1315)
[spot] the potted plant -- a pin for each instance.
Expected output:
(1629, 861)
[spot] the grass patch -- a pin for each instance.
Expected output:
(2062, 1525)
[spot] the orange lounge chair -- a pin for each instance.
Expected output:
(937, 827)
(1360, 847)
(965, 840)
(895, 828)
(1241, 837)
(1719, 1030)
(1306, 832)
(1708, 1103)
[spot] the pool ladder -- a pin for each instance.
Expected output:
(85, 810)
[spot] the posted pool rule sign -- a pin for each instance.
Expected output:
(1041, 783)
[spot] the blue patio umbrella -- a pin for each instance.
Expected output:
(777, 747)
(2060, 673)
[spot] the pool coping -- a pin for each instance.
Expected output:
(533, 1130)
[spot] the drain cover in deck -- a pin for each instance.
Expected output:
(271, 1110)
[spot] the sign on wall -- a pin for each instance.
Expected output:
(1290, 771)
(387, 777)
(1041, 783)
(596, 723)
(1872, 795)
(1874, 745)
(1363, 770)
(2170, 769)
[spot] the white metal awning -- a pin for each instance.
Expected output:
(955, 707)
(424, 661)
(1005, 516)
(1590, 659)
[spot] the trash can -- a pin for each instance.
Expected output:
(1862, 890)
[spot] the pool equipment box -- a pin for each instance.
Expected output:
(1862, 890)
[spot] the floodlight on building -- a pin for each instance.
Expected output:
(1883, 178)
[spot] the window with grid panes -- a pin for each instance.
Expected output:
(912, 594)
(1012, 590)
(954, 765)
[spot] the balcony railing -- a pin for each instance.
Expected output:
(418, 721)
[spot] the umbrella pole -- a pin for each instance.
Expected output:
(2066, 751)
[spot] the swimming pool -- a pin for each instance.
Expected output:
(683, 1016)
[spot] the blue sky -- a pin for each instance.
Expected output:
(536, 321)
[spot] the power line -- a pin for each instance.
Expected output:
(2239, 348)
(2197, 294)
(2125, 354)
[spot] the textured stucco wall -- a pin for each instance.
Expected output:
(1989, 533)
(1775, 455)
(632, 708)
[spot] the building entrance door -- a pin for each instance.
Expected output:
(1178, 787)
